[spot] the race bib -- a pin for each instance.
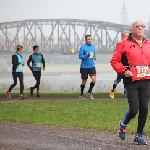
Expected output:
(39, 65)
(20, 66)
(143, 71)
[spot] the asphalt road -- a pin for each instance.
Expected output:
(16, 136)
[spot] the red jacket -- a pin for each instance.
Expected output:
(129, 55)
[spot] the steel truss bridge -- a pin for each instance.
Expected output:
(60, 35)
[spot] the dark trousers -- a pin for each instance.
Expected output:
(138, 99)
(37, 76)
(20, 76)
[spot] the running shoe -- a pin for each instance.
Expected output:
(82, 98)
(139, 140)
(112, 94)
(22, 96)
(31, 91)
(122, 130)
(90, 96)
(38, 96)
(9, 95)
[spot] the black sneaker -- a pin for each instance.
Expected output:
(38, 96)
(31, 91)
(122, 130)
(139, 140)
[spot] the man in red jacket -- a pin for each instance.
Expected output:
(132, 59)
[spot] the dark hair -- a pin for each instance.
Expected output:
(34, 47)
(18, 47)
(87, 36)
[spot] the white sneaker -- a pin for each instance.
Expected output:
(82, 98)
(90, 96)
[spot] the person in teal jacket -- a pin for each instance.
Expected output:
(17, 71)
(38, 62)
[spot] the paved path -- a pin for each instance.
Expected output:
(16, 136)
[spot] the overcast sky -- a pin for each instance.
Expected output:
(99, 10)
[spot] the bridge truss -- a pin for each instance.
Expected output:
(59, 35)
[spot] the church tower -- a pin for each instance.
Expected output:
(124, 14)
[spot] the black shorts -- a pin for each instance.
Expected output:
(87, 71)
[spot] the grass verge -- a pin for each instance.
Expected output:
(98, 115)
(62, 94)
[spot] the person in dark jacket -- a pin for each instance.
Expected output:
(38, 62)
(17, 72)
(119, 76)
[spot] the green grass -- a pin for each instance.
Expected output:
(97, 115)
(62, 94)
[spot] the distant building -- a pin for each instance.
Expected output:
(124, 14)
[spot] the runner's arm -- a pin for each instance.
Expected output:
(28, 62)
(94, 54)
(15, 60)
(43, 61)
(116, 59)
(81, 55)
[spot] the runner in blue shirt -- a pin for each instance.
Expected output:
(87, 67)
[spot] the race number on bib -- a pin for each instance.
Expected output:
(143, 71)
(39, 65)
(20, 66)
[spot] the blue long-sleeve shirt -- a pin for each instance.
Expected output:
(84, 55)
